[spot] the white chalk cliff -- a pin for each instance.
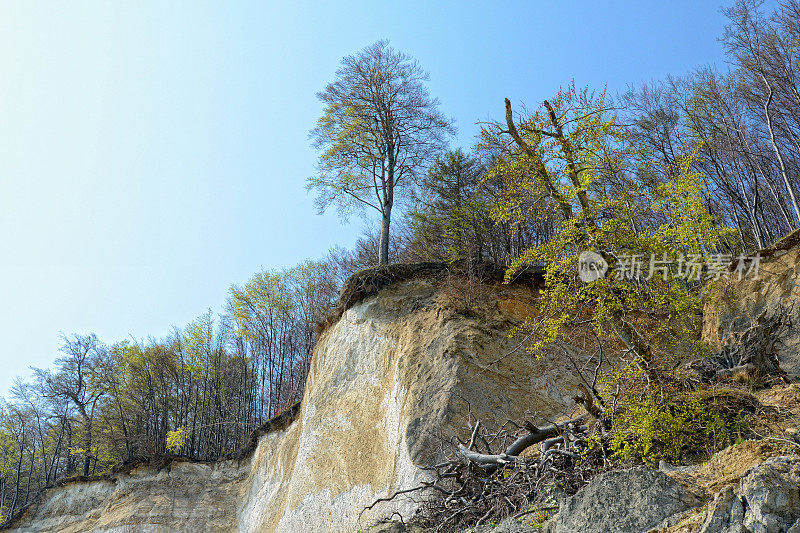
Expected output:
(398, 371)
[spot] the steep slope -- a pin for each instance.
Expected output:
(178, 496)
(410, 362)
(412, 358)
(738, 304)
(750, 487)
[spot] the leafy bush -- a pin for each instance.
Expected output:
(176, 439)
(677, 425)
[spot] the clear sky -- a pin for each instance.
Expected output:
(153, 153)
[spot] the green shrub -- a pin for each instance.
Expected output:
(676, 425)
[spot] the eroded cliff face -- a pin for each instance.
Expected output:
(177, 497)
(398, 372)
(736, 304)
(402, 368)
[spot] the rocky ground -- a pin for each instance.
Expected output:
(751, 487)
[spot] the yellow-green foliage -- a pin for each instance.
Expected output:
(176, 439)
(650, 425)
(653, 212)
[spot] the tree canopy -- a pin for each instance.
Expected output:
(379, 130)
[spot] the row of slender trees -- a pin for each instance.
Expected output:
(199, 392)
(745, 122)
(380, 128)
(742, 124)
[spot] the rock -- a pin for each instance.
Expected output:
(183, 495)
(726, 514)
(625, 501)
(766, 500)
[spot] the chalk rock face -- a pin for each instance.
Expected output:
(397, 373)
(176, 496)
(393, 377)
(766, 500)
(736, 303)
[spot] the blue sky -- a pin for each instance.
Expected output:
(153, 153)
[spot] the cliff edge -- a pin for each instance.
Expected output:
(412, 356)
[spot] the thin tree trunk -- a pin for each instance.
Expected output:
(625, 331)
(30, 476)
(19, 476)
(383, 258)
(778, 152)
(87, 456)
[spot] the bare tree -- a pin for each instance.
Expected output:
(765, 52)
(379, 129)
(79, 381)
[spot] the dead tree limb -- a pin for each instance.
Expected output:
(541, 169)
(487, 459)
(471, 487)
(547, 444)
(587, 400)
(511, 454)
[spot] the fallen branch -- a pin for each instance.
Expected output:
(538, 434)
(474, 486)
(487, 459)
(490, 462)
(565, 453)
(547, 444)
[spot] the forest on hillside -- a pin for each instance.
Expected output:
(704, 163)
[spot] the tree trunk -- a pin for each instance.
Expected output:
(383, 256)
(777, 150)
(19, 476)
(625, 331)
(87, 456)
